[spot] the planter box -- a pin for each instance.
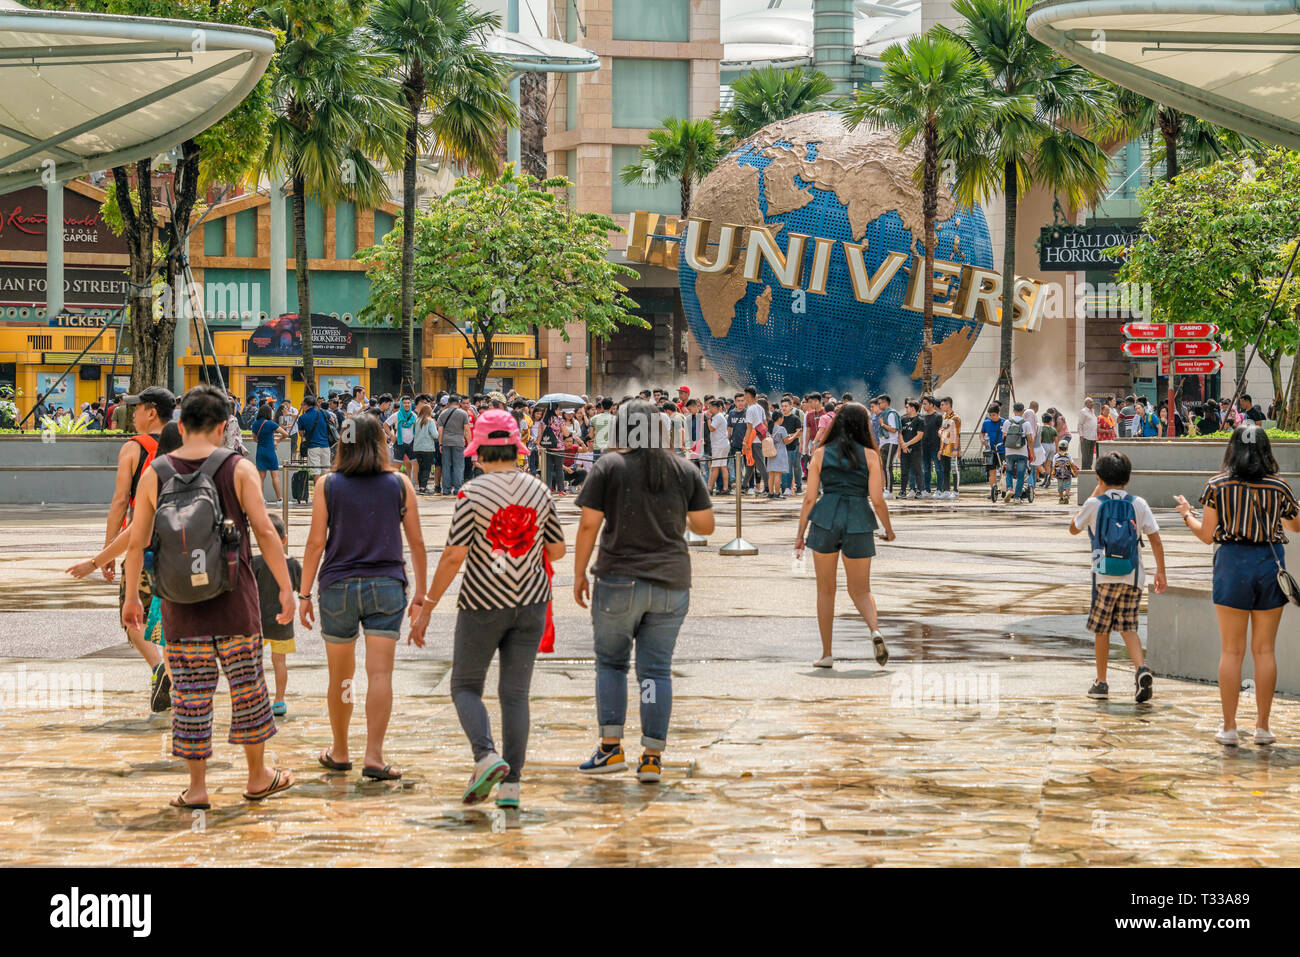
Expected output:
(1183, 636)
(1163, 468)
(71, 470)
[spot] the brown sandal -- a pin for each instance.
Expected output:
(275, 787)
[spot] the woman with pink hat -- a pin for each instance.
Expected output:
(504, 522)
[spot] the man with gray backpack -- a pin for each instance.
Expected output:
(194, 510)
(1018, 437)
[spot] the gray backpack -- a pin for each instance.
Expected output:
(195, 547)
(1015, 437)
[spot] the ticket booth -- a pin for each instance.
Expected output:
(268, 360)
(39, 354)
(449, 364)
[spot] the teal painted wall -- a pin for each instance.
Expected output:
(331, 291)
(246, 233)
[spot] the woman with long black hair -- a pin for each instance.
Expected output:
(845, 480)
(640, 498)
(1246, 508)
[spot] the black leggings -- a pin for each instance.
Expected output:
(426, 466)
(887, 453)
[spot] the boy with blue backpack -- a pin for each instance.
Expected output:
(1116, 522)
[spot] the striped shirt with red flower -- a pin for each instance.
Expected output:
(504, 518)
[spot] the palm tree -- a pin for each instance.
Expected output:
(1188, 140)
(933, 88)
(1019, 150)
(767, 95)
(685, 150)
(335, 106)
(444, 71)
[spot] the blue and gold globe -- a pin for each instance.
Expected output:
(810, 175)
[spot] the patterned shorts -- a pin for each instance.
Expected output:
(1114, 608)
(194, 665)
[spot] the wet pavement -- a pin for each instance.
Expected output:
(975, 745)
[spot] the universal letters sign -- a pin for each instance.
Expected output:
(968, 292)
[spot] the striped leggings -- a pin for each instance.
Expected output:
(193, 663)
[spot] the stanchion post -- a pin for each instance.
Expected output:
(286, 483)
(738, 545)
(692, 539)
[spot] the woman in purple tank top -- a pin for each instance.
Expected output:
(361, 509)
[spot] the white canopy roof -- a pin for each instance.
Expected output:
(86, 91)
(530, 54)
(1232, 62)
(782, 35)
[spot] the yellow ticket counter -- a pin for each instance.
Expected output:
(449, 364)
(278, 375)
(40, 353)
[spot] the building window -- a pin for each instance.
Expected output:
(570, 21)
(214, 237)
(571, 172)
(246, 233)
(383, 223)
(314, 218)
(661, 20)
(665, 198)
(646, 92)
(345, 230)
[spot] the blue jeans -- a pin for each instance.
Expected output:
(1017, 467)
(624, 612)
(453, 468)
(929, 465)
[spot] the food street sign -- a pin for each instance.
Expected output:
(1194, 330)
(1149, 349)
(1146, 330)
(1197, 366)
(1195, 350)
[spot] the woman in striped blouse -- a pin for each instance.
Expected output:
(1247, 506)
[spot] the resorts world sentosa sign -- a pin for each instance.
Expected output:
(960, 291)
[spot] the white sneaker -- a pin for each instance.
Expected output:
(888, 494)
(1264, 736)
(1228, 738)
(826, 662)
(273, 502)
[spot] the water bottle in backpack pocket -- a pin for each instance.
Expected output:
(1115, 542)
(195, 547)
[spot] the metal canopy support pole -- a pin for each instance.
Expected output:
(53, 249)
(513, 150)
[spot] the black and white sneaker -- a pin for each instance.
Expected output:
(160, 687)
(1143, 682)
(1099, 689)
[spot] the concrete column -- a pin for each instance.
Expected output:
(513, 150)
(279, 250)
(54, 248)
(833, 42)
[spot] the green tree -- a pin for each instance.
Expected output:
(225, 153)
(336, 105)
(1216, 246)
(933, 89)
(682, 150)
(1187, 140)
(500, 256)
(770, 94)
(444, 72)
(1020, 150)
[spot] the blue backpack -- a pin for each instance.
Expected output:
(1115, 542)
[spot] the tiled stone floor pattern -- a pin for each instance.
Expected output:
(779, 780)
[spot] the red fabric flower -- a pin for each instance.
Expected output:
(513, 529)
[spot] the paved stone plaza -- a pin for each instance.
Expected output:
(976, 745)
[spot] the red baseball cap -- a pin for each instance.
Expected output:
(684, 388)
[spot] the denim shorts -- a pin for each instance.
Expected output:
(850, 544)
(1245, 577)
(374, 605)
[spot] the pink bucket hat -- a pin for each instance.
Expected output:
(496, 420)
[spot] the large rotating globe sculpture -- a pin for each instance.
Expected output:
(810, 175)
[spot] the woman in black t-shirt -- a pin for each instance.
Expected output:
(640, 498)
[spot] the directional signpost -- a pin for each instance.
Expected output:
(1182, 348)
